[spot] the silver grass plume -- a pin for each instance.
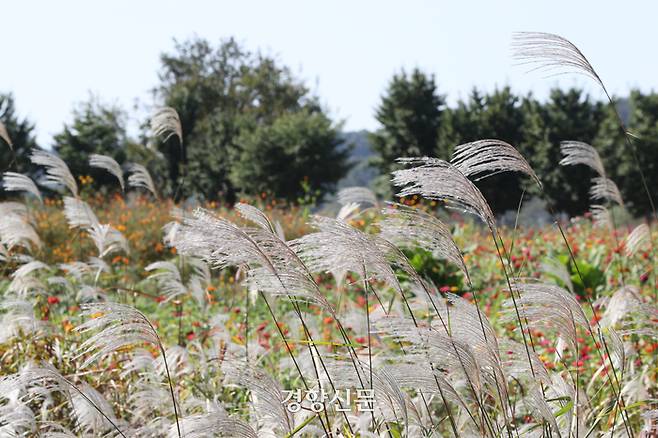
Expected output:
(116, 326)
(253, 214)
(273, 267)
(578, 152)
(606, 189)
(623, 302)
(548, 305)
(357, 195)
(637, 238)
(17, 182)
(267, 395)
(213, 424)
(552, 53)
(19, 318)
(410, 226)
(15, 231)
(106, 238)
(165, 123)
(338, 247)
(140, 177)
(467, 325)
(168, 277)
(79, 214)
(601, 216)
(89, 420)
(5, 136)
(57, 172)
(484, 158)
(437, 179)
(107, 163)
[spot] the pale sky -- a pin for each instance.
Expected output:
(55, 53)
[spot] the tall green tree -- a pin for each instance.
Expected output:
(21, 132)
(299, 152)
(410, 115)
(497, 115)
(567, 115)
(618, 158)
(96, 128)
(222, 94)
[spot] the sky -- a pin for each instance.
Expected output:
(57, 53)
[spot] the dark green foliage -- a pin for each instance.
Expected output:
(227, 99)
(618, 157)
(568, 115)
(415, 122)
(21, 132)
(300, 147)
(497, 116)
(410, 115)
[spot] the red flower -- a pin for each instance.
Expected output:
(53, 300)
(190, 336)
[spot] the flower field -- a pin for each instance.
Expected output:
(230, 347)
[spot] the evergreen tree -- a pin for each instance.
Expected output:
(21, 133)
(410, 115)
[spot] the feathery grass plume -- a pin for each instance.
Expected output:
(267, 396)
(168, 278)
(437, 179)
(45, 379)
(484, 158)
(468, 326)
(57, 172)
(13, 208)
(253, 214)
(107, 163)
(140, 177)
(212, 424)
(623, 301)
(17, 182)
(552, 53)
(578, 152)
(108, 240)
(405, 226)
(79, 214)
(548, 305)
(19, 318)
(165, 123)
(17, 420)
(338, 247)
(357, 195)
(515, 363)
(272, 266)
(88, 417)
(606, 189)
(16, 231)
(601, 216)
(388, 397)
(5, 136)
(118, 326)
(637, 238)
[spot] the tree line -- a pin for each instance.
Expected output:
(249, 126)
(416, 121)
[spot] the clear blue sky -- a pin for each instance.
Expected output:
(56, 52)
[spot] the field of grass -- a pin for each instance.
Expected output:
(236, 341)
